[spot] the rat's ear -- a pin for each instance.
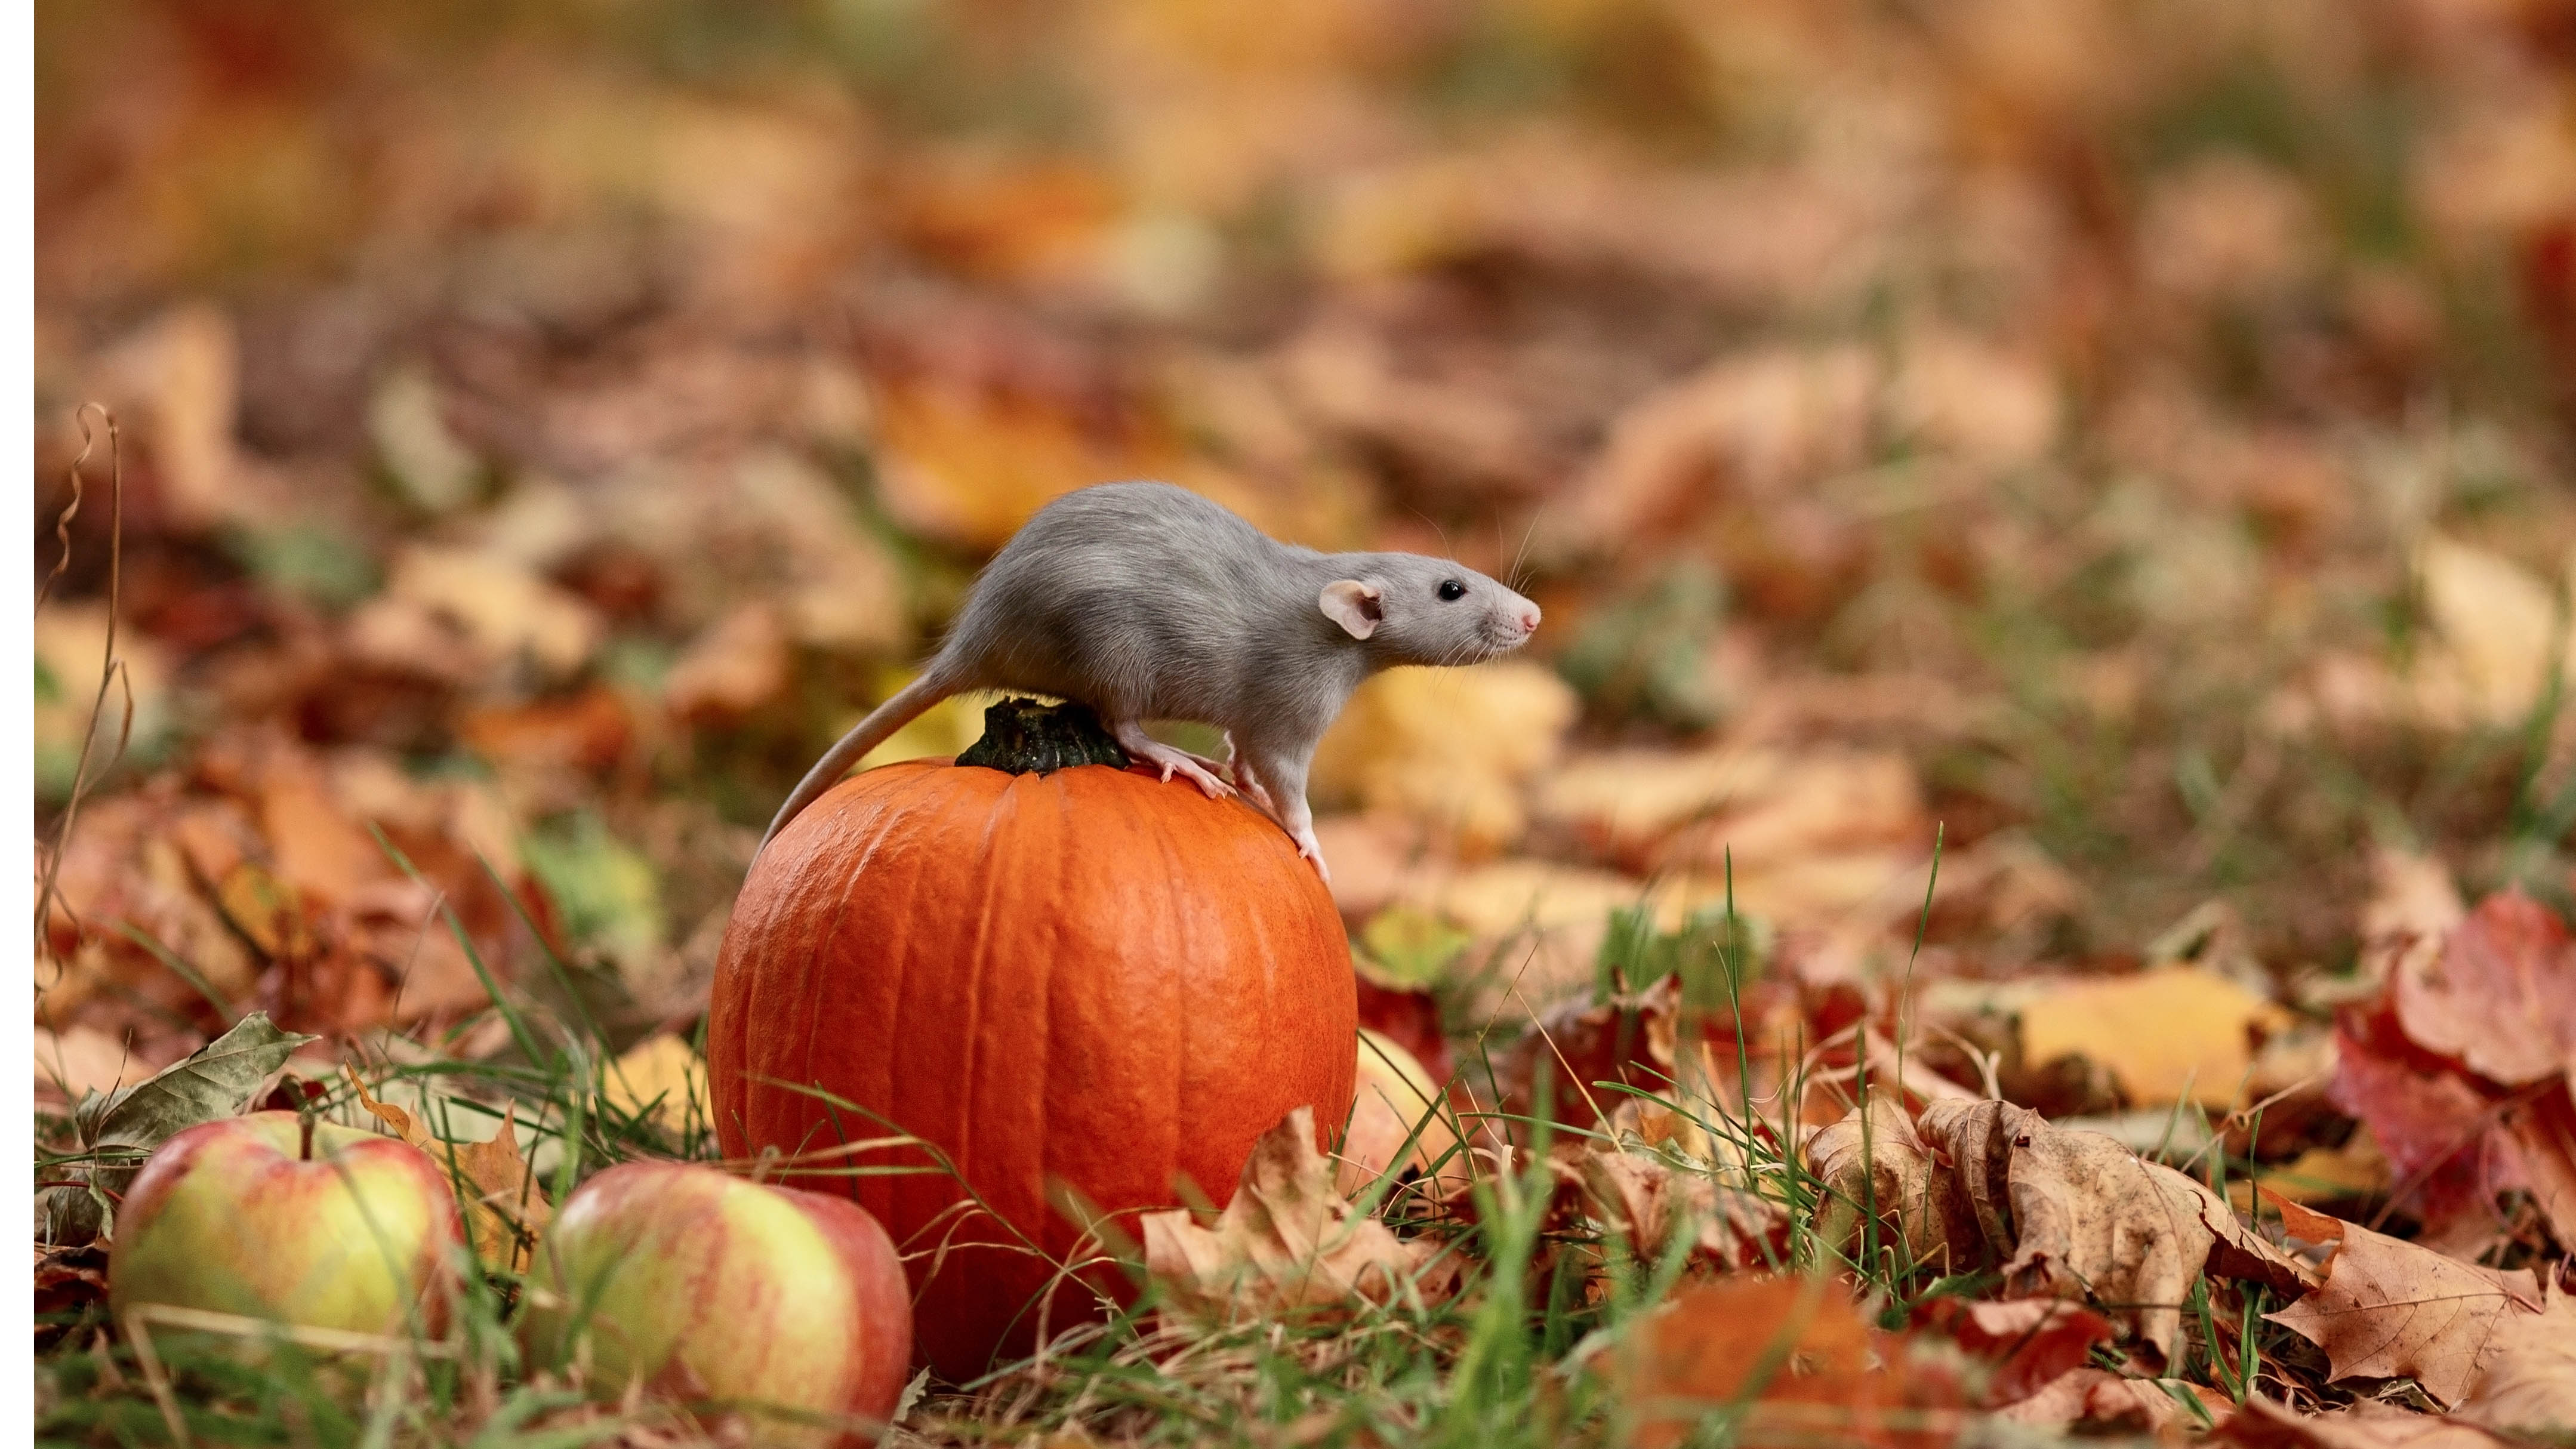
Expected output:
(1353, 605)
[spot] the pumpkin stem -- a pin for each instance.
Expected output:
(1022, 735)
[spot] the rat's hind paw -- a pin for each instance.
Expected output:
(1309, 849)
(1132, 737)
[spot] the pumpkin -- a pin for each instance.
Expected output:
(1059, 972)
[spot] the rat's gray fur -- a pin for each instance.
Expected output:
(1146, 601)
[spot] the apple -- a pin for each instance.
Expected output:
(343, 1229)
(703, 1285)
(1394, 1095)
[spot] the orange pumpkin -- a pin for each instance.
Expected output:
(1085, 976)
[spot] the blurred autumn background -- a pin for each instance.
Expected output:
(2125, 442)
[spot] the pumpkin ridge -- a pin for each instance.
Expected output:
(977, 959)
(896, 946)
(885, 814)
(1044, 994)
(1174, 919)
(810, 985)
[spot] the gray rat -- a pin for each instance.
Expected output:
(1146, 601)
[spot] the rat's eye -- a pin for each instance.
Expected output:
(1452, 589)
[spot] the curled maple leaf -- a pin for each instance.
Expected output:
(1873, 1164)
(1651, 1203)
(1289, 1240)
(505, 1206)
(2067, 1214)
(2392, 1309)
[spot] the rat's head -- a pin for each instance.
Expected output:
(1416, 610)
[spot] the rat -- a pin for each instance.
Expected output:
(1146, 601)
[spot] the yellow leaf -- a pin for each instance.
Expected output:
(2496, 622)
(1404, 744)
(2165, 1033)
(662, 1074)
(504, 1205)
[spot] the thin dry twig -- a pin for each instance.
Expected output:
(112, 669)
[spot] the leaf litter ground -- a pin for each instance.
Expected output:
(2024, 877)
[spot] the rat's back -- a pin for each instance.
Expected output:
(1133, 597)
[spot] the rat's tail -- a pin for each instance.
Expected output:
(907, 705)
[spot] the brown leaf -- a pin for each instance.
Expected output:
(587, 731)
(266, 910)
(1287, 1241)
(2412, 910)
(1827, 803)
(2263, 1424)
(2026, 1343)
(1628, 1039)
(738, 664)
(1975, 1142)
(2543, 1130)
(2099, 1400)
(2528, 1387)
(2093, 1218)
(504, 1204)
(2392, 1309)
(1872, 1161)
(1648, 1201)
(83, 1059)
(2079, 1214)
(68, 1280)
(2502, 994)
(1795, 1354)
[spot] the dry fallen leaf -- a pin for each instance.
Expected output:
(1397, 746)
(1827, 802)
(505, 1205)
(2392, 1309)
(1289, 1240)
(661, 1074)
(2078, 1214)
(2092, 1217)
(2528, 1386)
(1618, 804)
(1795, 1355)
(2495, 623)
(2412, 909)
(2100, 1401)
(2169, 1034)
(503, 607)
(733, 667)
(1628, 1039)
(2500, 996)
(970, 470)
(1401, 1119)
(2367, 1424)
(83, 1059)
(1649, 1202)
(1871, 1162)
(2446, 1145)
(2026, 1343)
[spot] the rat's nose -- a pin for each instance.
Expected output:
(1529, 618)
